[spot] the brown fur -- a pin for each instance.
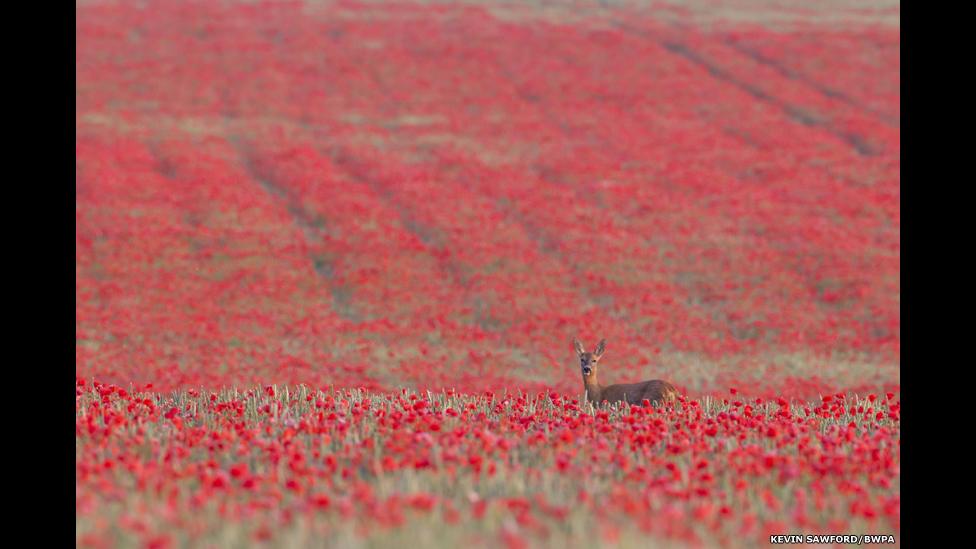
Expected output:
(655, 390)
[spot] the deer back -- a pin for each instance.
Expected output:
(655, 390)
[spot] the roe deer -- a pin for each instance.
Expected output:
(654, 390)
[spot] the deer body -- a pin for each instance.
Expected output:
(655, 390)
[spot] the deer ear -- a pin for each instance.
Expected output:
(578, 346)
(600, 347)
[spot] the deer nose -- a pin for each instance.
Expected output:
(586, 370)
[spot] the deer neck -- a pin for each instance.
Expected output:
(592, 387)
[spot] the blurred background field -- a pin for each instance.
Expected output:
(436, 194)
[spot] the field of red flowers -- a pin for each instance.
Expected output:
(301, 467)
(331, 257)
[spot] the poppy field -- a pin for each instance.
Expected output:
(331, 257)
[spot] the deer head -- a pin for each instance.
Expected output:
(588, 360)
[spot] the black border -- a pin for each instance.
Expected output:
(41, 376)
(905, 278)
(933, 396)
